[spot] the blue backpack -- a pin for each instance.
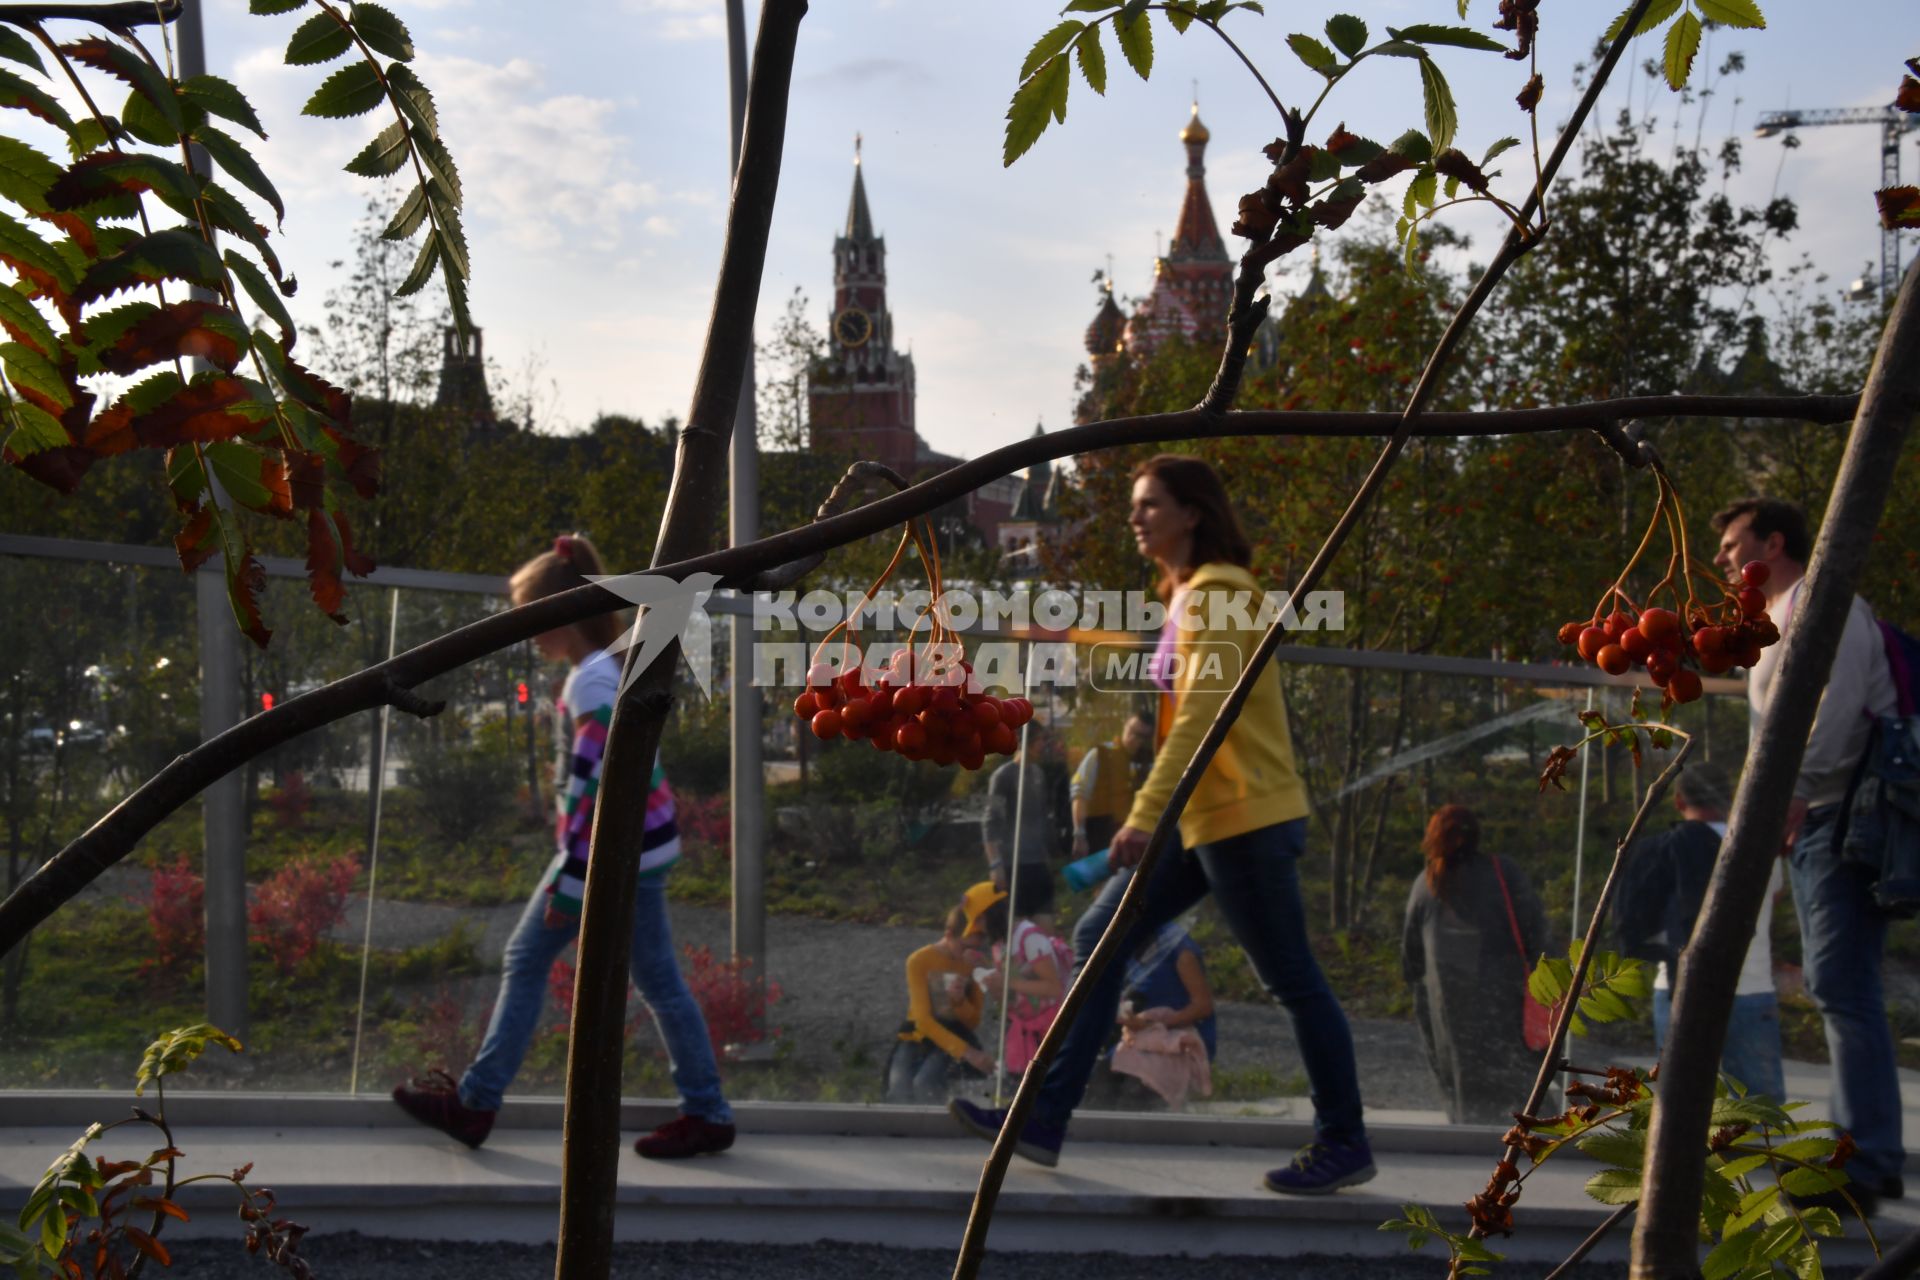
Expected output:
(1883, 810)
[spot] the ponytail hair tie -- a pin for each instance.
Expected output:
(563, 547)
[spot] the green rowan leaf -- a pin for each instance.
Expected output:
(107, 175)
(1348, 33)
(1457, 37)
(34, 259)
(221, 98)
(1622, 1148)
(1136, 40)
(177, 253)
(1656, 15)
(1180, 17)
(1049, 44)
(453, 240)
(1409, 251)
(1420, 192)
(177, 1050)
(123, 63)
(264, 295)
(386, 153)
(1092, 6)
(34, 430)
(29, 97)
(226, 152)
(319, 39)
(1442, 119)
(251, 477)
(1028, 115)
(351, 91)
(23, 320)
(1683, 42)
(1505, 144)
(383, 32)
(268, 8)
(28, 370)
(16, 48)
(1729, 1256)
(415, 102)
(412, 212)
(439, 165)
(139, 118)
(1316, 55)
(1093, 59)
(1733, 13)
(25, 175)
(423, 266)
(1615, 1186)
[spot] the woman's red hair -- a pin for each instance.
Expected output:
(1452, 839)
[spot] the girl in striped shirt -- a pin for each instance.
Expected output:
(551, 920)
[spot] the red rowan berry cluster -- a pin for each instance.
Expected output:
(1676, 646)
(925, 703)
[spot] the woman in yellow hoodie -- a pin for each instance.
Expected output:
(1243, 830)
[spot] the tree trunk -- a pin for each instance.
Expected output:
(1666, 1235)
(592, 1139)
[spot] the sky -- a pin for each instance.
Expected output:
(592, 142)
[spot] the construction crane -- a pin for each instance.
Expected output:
(1892, 124)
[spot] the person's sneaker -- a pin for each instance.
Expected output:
(1038, 1142)
(1320, 1168)
(684, 1136)
(434, 1100)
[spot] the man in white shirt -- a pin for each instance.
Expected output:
(1843, 933)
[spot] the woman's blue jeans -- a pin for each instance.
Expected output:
(531, 952)
(1255, 881)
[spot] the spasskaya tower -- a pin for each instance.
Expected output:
(860, 393)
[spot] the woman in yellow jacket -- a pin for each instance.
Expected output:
(1243, 830)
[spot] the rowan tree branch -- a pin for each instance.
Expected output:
(114, 836)
(591, 1138)
(116, 17)
(1666, 1235)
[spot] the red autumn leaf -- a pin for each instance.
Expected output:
(1529, 96)
(60, 467)
(317, 393)
(1452, 163)
(307, 478)
(179, 329)
(1899, 206)
(194, 543)
(198, 410)
(1289, 181)
(244, 583)
(1908, 98)
(149, 1246)
(361, 463)
(1384, 166)
(1259, 211)
(323, 566)
(358, 563)
(274, 478)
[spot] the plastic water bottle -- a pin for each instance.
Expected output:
(1084, 873)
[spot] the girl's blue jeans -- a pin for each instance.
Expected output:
(1255, 881)
(530, 954)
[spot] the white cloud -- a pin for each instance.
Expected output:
(661, 226)
(683, 19)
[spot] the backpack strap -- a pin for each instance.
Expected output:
(1513, 921)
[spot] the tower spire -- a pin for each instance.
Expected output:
(859, 219)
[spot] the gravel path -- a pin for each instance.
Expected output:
(356, 1257)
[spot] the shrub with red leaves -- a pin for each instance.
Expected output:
(291, 801)
(176, 914)
(295, 907)
(705, 822)
(734, 1007)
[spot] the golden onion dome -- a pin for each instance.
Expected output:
(1195, 131)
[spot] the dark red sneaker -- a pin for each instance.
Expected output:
(434, 1100)
(683, 1137)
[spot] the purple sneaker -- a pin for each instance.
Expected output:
(1039, 1142)
(434, 1100)
(1319, 1169)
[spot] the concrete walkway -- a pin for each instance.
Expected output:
(1152, 1185)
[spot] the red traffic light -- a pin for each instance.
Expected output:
(266, 702)
(520, 693)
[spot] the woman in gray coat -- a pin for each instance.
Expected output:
(1459, 955)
